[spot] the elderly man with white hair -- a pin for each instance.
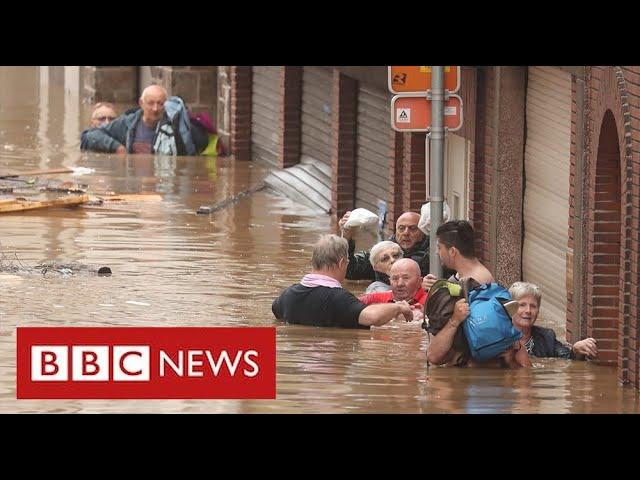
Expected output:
(153, 129)
(406, 286)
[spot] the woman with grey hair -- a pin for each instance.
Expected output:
(540, 341)
(383, 255)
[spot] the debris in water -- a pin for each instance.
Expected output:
(104, 272)
(133, 302)
(12, 264)
(82, 170)
(206, 209)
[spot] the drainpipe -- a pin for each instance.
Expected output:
(436, 136)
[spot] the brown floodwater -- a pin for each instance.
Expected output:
(172, 267)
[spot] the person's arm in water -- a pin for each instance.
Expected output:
(380, 313)
(109, 139)
(441, 344)
(586, 347)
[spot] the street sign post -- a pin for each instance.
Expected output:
(425, 102)
(413, 113)
(417, 79)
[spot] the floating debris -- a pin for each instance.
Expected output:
(66, 187)
(72, 268)
(206, 209)
(10, 263)
(31, 173)
(82, 170)
(20, 203)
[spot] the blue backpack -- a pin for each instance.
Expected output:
(488, 327)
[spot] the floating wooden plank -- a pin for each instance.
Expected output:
(132, 197)
(48, 171)
(67, 187)
(20, 204)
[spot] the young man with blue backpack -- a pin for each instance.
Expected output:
(471, 299)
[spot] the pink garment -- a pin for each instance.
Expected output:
(317, 280)
(203, 119)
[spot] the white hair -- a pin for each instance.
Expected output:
(379, 247)
(146, 90)
(525, 289)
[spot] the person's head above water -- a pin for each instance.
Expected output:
(152, 104)
(103, 113)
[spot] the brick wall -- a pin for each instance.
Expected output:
(119, 84)
(343, 131)
(290, 115)
(603, 266)
(413, 172)
(613, 218)
(482, 164)
(197, 85)
(631, 220)
(240, 141)
(396, 179)
(110, 84)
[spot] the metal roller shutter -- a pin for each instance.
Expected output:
(316, 115)
(546, 199)
(372, 154)
(265, 112)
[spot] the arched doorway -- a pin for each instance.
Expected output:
(605, 280)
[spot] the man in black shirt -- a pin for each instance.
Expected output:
(320, 300)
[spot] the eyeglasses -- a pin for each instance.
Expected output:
(102, 119)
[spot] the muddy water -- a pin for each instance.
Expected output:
(172, 267)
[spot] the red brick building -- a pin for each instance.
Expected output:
(546, 167)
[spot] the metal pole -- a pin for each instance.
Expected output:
(437, 164)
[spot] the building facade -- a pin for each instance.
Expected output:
(546, 167)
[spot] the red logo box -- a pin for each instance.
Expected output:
(150, 363)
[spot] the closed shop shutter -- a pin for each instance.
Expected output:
(373, 148)
(316, 115)
(546, 200)
(265, 114)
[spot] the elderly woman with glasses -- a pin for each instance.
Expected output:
(103, 113)
(382, 256)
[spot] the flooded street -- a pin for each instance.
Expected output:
(172, 267)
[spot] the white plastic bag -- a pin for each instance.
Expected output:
(425, 216)
(361, 217)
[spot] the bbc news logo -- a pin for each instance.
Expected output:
(150, 363)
